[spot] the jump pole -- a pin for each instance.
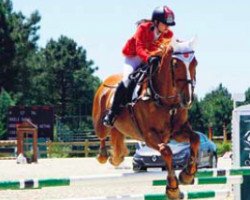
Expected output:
(220, 194)
(208, 180)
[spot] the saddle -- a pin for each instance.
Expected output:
(140, 89)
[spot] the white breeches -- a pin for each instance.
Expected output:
(130, 64)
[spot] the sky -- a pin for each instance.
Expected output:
(103, 27)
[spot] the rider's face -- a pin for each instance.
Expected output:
(163, 28)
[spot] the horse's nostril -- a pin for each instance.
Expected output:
(186, 101)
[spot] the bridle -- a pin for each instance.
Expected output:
(152, 72)
(186, 81)
(155, 94)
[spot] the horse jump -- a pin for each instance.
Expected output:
(216, 176)
(234, 176)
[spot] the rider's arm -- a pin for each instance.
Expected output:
(143, 38)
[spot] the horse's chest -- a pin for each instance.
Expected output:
(166, 122)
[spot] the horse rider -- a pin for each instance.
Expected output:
(137, 50)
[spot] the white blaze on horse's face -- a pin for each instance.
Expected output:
(184, 51)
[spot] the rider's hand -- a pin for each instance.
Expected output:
(153, 60)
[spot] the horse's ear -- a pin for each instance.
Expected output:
(193, 42)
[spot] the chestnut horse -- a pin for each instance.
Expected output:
(158, 119)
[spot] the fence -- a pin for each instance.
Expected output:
(8, 149)
(50, 149)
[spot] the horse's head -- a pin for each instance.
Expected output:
(175, 79)
(183, 65)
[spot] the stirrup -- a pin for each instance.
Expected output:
(109, 119)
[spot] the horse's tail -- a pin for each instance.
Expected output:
(102, 102)
(99, 107)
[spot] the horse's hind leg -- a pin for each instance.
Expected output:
(188, 173)
(102, 133)
(103, 154)
(119, 150)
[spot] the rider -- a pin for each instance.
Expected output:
(137, 50)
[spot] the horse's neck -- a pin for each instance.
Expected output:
(164, 80)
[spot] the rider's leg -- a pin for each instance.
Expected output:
(120, 92)
(126, 84)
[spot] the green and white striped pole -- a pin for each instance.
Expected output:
(223, 172)
(220, 194)
(208, 180)
(33, 183)
(53, 182)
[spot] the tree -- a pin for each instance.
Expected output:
(19, 46)
(7, 46)
(5, 102)
(247, 94)
(65, 77)
(196, 118)
(217, 109)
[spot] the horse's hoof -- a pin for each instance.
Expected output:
(103, 152)
(103, 155)
(116, 161)
(186, 179)
(174, 194)
(102, 159)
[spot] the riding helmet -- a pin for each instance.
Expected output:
(163, 14)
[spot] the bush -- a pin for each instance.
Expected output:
(223, 148)
(59, 151)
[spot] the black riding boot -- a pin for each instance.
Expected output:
(119, 96)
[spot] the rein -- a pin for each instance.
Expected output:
(156, 95)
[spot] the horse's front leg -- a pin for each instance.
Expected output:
(172, 189)
(156, 141)
(188, 173)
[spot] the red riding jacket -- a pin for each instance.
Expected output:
(142, 43)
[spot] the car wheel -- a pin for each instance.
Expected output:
(137, 168)
(213, 161)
